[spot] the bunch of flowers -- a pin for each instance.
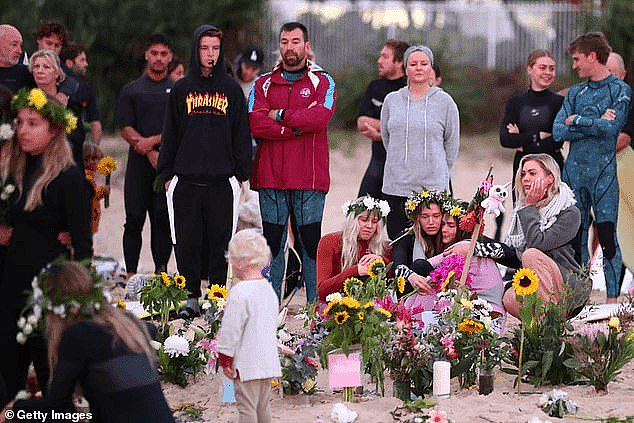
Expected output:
(600, 354)
(299, 363)
(180, 355)
(349, 322)
(369, 204)
(407, 358)
(557, 404)
(475, 212)
(465, 334)
(378, 285)
(214, 308)
(106, 166)
(162, 293)
(417, 201)
(43, 299)
(448, 274)
(36, 99)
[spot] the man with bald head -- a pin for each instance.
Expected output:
(13, 75)
(616, 66)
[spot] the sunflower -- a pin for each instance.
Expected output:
(331, 304)
(525, 282)
(341, 317)
(369, 304)
(216, 291)
(375, 267)
(166, 279)
(350, 303)
(443, 287)
(400, 284)
(106, 166)
(348, 283)
(121, 304)
(361, 316)
(470, 326)
(384, 312)
(179, 281)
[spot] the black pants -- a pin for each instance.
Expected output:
(372, 181)
(15, 363)
(202, 211)
(140, 199)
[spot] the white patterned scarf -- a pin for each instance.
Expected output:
(547, 217)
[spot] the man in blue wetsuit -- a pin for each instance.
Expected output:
(591, 117)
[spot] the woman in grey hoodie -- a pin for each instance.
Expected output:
(420, 127)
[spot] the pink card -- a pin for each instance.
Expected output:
(344, 371)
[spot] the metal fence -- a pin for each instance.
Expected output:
(489, 33)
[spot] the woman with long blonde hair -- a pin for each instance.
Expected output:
(103, 349)
(349, 253)
(51, 196)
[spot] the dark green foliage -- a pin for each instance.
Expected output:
(115, 33)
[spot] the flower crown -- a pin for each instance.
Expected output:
(43, 299)
(369, 204)
(36, 99)
(454, 207)
(419, 200)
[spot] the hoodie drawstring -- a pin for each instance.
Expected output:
(407, 125)
(426, 100)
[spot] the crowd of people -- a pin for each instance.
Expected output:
(209, 132)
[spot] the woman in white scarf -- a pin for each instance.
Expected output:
(543, 228)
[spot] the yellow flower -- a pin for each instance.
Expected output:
(350, 303)
(455, 211)
(348, 282)
(375, 267)
(615, 324)
(275, 383)
(37, 98)
(466, 303)
(166, 279)
(71, 122)
(308, 385)
(341, 317)
(400, 284)
(121, 304)
(179, 281)
(106, 166)
(384, 312)
(450, 275)
(216, 291)
(369, 304)
(425, 194)
(411, 205)
(470, 326)
(361, 315)
(525, 282)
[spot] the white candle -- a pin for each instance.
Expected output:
(442, 375)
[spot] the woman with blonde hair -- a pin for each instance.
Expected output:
(349, 253)
(542, 235)
(103, 349)
(51, 196)
(48, 74)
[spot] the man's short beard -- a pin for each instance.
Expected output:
(295, 62)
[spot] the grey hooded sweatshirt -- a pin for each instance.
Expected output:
(421, 138)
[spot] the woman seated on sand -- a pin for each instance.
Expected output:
(541, 236)
(410, 254)
(341, 255)
(485, 279)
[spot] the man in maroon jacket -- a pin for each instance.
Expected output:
(289, 111)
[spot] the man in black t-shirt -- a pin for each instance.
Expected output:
(76, 61)
(13, 75)
(141, 109)
(392, 78)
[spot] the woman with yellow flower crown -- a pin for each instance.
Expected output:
(51, 195)
(542, 237)
(349, 253)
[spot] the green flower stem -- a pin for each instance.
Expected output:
(106, 198)
(348, 393)
(519, 370)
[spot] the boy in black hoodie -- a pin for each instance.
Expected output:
(205, 141)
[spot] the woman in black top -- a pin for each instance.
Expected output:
(527, 125)
(103, 349)
(51, 196)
